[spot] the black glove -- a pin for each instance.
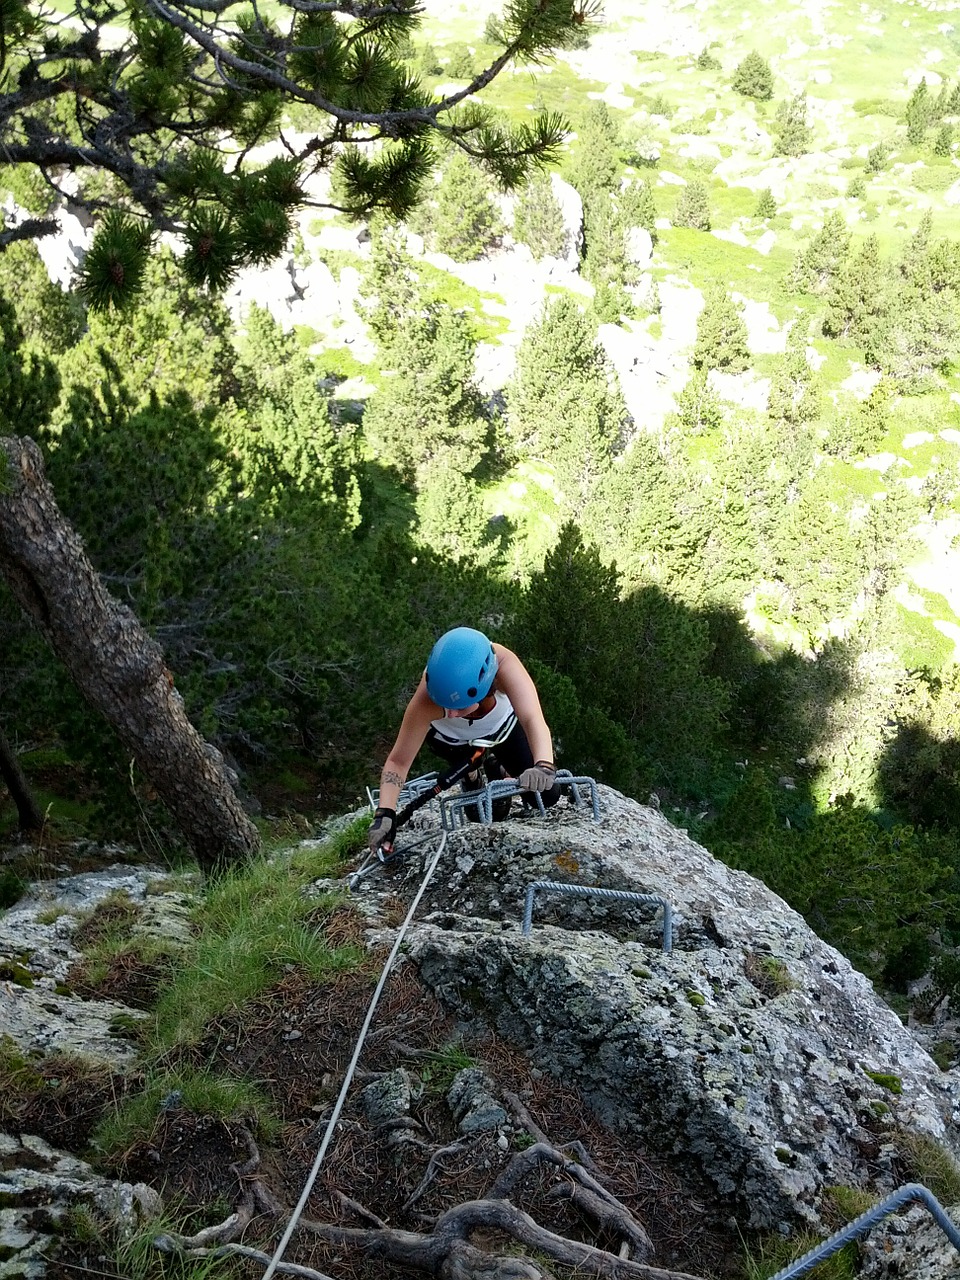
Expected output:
(539, 777)
(383, 828)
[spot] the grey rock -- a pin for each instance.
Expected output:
(472, 1102)
(771, 1093)
(387, 1102)
(36, 937)
(39, 1186)
(910, 1246)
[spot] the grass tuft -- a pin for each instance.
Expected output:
(225, 1098)
(251, 924)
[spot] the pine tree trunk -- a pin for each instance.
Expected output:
(29, 817)
(117, 667)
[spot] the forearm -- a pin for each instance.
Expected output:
(391, 783)
(541, 741)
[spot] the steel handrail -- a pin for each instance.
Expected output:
(860, 1226)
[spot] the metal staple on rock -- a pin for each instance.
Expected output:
(453, 809)
(588, 891)
(860, 1226)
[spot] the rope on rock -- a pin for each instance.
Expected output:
(351, 1069)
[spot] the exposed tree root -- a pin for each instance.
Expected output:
(447, 1253)
(453, 1149)
(586, 1193)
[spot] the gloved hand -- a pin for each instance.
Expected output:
(539, 777)
(383, 828)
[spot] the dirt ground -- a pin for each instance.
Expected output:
(295, 1043)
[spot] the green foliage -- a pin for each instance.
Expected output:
(538, 218)
(943, 146)
(200, 1091)
(605, 262)
(50, 318)
(769, 974)
(877, 158)
(775, 1252)
(638, 208)
(463, 220)
(698, 405)
(29, 382)
(597, 162)
(856, 301)
(816, 266)
(794, 388)
(426, 407)
(249, 926)
(693, 207)
(918, 113)
(146, 144)
(886, 1081)
(441, 1067)
(460, 62)
(753, 77)
(427, 61)
(861, 430)
(563, 402)
(859, 885)
(931, 1163)
(766, 205)
(792, 134)
(721, 335)
(706, 60)
(857, 188)
(113, 269)
(12, 888)
(920, 769)
(750, 810)
(451, 515)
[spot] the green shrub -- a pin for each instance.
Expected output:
(12, 887)
(753, 77)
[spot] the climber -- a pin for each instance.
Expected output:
(472, 693)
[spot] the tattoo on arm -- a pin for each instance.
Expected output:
(388, 776)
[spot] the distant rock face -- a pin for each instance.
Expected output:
(752, 1048)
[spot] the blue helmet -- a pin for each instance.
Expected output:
(461, 668)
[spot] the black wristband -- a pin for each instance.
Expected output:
(545, 764)
(384, 813)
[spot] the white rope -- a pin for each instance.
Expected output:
(348, 1078)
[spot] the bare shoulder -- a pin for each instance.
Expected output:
(421, 706)
(505, 655)
(510, 670)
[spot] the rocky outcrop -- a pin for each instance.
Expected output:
(752, 1048)
(42, 1189)
(910, 1246)
(37, 1008)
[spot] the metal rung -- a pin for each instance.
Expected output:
(589, 891)
(412, 788)
(860, 1226)
(566, 779)
(452, 807)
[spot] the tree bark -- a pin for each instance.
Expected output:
(116, 666)
(29, 817)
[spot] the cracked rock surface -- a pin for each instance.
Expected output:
(752, 1047)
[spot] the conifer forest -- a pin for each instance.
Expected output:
(704, 476)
